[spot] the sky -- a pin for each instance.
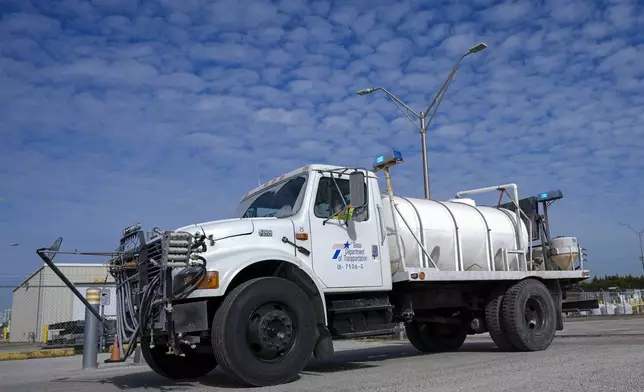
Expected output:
(166, 112)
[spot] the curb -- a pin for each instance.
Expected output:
(601, 335)
(52, 353)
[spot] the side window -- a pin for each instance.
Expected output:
(329, 201)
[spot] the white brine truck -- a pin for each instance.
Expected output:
(320, 254)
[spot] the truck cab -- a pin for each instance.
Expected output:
(305, 218)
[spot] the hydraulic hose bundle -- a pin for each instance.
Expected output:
(139, 303)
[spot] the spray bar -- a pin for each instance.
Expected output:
(48, 260)
(113, 254)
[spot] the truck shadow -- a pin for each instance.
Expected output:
(151, 380)
(343, 361)
(369, 357)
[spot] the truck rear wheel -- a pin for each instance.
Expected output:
(494, 320)
(435, 337)
(264, 332)
(529, 316)
(192, 365)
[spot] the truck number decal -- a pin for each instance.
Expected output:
(349, 266)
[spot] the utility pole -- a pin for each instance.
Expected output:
(639, 236)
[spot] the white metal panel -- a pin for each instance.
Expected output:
(56, 305)
(24, 314)
(346, 255)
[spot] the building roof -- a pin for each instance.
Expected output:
(64, 265)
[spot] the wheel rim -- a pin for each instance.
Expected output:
(534, 314)
(271, 332)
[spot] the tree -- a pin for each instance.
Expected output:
(623, 282)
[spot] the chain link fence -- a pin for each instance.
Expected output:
(44, 312)
(612, 302)
(51, 316)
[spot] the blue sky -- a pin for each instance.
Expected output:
(163, 112)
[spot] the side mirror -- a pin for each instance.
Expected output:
(357, 189)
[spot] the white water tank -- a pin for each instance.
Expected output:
(483, 233)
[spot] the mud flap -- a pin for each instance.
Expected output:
(560, 325)
(324, 346)
(557, 296)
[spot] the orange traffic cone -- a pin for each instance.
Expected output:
(116, 351)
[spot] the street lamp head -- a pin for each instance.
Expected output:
(366, 91)
(14, 244)
(639, 233)
(478, 48)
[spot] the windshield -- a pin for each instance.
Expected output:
(280, 200)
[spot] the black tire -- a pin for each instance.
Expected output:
(432, 338)
(415, 337)
(494, 320)
(529, 316)
(264, 332)
(193, 365)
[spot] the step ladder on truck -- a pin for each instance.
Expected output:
(320, 254)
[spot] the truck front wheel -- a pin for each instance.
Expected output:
(264, 332)
(192, 365)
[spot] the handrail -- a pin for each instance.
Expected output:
(518, 212)
(529, 227)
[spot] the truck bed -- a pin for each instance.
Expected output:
(434, 275)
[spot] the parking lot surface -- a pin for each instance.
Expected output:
(597, 355)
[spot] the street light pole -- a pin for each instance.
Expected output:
(423, 150)
(422, 115)
(639, 235)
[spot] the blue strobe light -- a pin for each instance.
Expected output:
(391, 158)
(550, 196)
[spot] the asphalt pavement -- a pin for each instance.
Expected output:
(597, 355)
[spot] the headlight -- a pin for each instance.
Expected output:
(187, 277)
(211, 281)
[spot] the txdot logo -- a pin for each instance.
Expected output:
(349, 252)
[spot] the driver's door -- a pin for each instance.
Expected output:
(344, 253)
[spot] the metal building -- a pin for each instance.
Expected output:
(43, 299)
